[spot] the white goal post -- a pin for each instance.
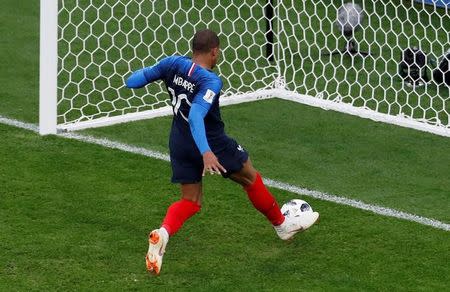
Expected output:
(288, 49)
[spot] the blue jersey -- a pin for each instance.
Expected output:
(189, 84)
(197, 126)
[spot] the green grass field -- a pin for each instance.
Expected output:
(75, 216)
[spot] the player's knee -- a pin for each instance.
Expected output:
(249, 178)
(246, 176)
(192, 192)
(244, 179)
(250, 172)
(193, 197)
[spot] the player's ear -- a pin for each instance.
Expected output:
(215, 52)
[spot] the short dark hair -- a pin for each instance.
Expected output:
(204, 40)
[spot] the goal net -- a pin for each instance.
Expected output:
(100, 42)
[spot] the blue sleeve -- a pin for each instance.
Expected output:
(137, 79)
(144, 76)
(197, 125)
(208, 93)
(200, 107)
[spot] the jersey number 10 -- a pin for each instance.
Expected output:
(176, 102)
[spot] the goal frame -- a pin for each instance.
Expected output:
(49, 75)
(48, 67)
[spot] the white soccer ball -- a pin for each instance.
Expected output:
(349, 17)
(295, 207)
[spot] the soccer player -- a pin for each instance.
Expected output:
(198, 144)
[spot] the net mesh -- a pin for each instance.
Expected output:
(308, 34)
(103, 41)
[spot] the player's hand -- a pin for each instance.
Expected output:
(211, 164)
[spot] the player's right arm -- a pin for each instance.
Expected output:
(147, 75)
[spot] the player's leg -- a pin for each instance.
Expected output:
(257, 193)
(240, 169)
(264, 202)
(183, 209)
(177, 213)
(187, 171)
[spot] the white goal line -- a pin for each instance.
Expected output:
(384, 211)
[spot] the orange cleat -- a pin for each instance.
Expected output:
(157, 242)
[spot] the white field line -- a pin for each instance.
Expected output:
(116, 145)
(19, 124)
(358, 204)
(272, 183)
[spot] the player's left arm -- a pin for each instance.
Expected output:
(200, 106)
(147, 75)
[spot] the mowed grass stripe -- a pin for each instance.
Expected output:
(380, 210)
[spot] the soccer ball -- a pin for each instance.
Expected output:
(295, 207)
(349, 18)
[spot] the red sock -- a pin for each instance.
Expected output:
(178, 213)
(264, 201)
